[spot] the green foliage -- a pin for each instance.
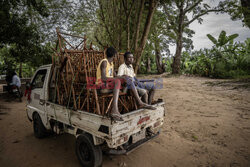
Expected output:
(25, 28)
(223, 39)
(11, 58)
(238, 10)
(28, 27)
(225, 60)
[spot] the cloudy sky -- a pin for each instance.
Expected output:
(213, 24)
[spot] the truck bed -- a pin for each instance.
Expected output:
(105, 130)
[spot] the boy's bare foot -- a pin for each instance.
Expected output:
(115, 115)
(144, 105)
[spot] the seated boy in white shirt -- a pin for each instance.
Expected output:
(126, 70)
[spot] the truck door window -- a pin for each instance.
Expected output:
(38, 80)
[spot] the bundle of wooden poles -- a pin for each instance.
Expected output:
(75, 66)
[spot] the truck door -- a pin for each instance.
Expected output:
(38, 92)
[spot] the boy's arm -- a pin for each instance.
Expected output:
(103, 71)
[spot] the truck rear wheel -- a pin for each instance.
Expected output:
(38, 127)
(88, 154)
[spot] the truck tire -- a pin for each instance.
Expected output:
(88, 154)
(38, 127)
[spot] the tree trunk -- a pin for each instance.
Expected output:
(245, 4)
(128, 34)
(138, 23)
(148, 65)
(139, 51)
(127, 12)
(119, 24)
(20, 69)
(158, 60)
(177, 58)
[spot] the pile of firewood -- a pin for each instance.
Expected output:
(74, 77)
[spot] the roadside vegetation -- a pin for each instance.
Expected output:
(145, 27)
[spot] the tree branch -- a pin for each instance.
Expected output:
(192, 6)
(104, 22)
(124, 6)
(169, 17)
(99, 42)
(199, 15)
(130, 10)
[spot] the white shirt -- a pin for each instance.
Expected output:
(124, 69)
(16, 81)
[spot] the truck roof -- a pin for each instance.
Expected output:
(46, 66)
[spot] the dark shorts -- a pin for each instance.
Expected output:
(145, 85)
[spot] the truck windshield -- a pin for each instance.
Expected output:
(38, 80)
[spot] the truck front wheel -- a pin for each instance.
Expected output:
(88, 154)
(38, 127)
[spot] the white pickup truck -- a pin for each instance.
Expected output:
(94, 133)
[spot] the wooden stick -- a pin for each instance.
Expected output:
(135, 104)
(109, 105)
(78, 44)
(86, 77)
(64, 83)
(79, 101)
(97, 102)
(103, 106)
(67, 42)
(58, 94)
(71, 35)
(74, 97)
(62, 99)
(123, 104)
(83, 103)
(59, 40)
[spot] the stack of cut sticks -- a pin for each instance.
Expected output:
(74, 73)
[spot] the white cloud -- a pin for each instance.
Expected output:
(213, 24)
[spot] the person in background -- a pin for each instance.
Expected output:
(14, 85)
(16, 82)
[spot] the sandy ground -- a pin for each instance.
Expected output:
(207, 124)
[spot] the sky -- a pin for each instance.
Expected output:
(213, 24)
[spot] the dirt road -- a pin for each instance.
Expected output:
(207, 124)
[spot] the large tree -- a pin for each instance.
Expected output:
(123, 24)
(179, 22)
(25, 29)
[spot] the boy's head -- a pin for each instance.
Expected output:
(128, 58)
(111, 52)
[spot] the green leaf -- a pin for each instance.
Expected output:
(212, 39)
(222, 38)
(232, 37)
